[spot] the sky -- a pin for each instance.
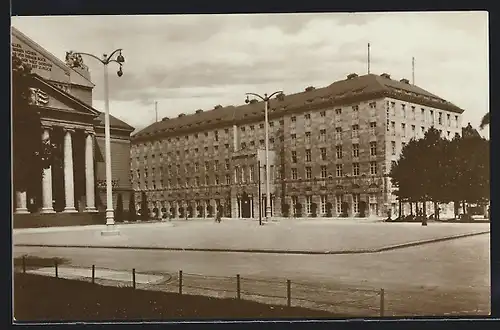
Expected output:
(190, 62)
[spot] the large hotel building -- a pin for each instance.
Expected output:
(331, 150)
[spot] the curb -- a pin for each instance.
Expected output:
(266, 251)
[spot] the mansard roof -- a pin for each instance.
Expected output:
(353, 89)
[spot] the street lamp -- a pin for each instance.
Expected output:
(74, 59)
(266, 124)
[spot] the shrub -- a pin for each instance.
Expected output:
(298, 210)
(314, 209)
(286, 210)
(329, 208)
(362, 209)
(132, 213)
(345, 207)
(119, 208)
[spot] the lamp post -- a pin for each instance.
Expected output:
(266, 124)
(74, 59)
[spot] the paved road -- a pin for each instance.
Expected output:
(439, 278)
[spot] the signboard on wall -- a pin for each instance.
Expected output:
(41, 63)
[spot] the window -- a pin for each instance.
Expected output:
(373, 127)
(338, 133)
(373, 148)
(251, 173)
(422, 130)
(393, 127)
(252, 127)
(372, 105)
(261, 126)
(242, 128)
(308, 137)
(422, 115)
(207, 166)
(227, 164)
(295, 201)
(294, 156)
(228, 179)
(243, 174)
(226, 145)
(308, 155)
(187, 137)
(243, 145)
(393, 147)
(252, 143)
(413, 112)
(413, 132)
(403, 145)
(440, 118)
(226, 130)
(355, 169)
(355, 131)
(322, 113)
(197, 181)
(339, 170)
(271, 124)
(206, 133)
(293, 119)
(308, 204)
(308, 172)
(216, 165)
(323, 172)
(448, 133)
(282, 122)
(355, 203)
(432, 117)
(271, 141)
(338, 149)
(294, 174)
(322, 204)
(236, 173)
(373, 168)
(216, 135)
(261, 142)
(393, 164)
(338, 204)
(323, 153)
(403, 110)
(271, 174)
(355, 150)
(294, 138)
(322, 135)
(206, 149)
(207, 180)
(456, 121)
(355, 108)
(448, 119)
(403, 130)
(196, 167)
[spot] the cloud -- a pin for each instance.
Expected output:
(196, 61)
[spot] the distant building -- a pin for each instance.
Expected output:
(333, 147)
(63, 96)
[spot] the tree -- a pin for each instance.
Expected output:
(485, 121)
(131, 208)
(30, 154)
(314, 209)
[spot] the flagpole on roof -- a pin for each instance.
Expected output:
(156, 110)
(368, 58)
(413, 70)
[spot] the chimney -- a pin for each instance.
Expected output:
(198, 111)
(386, 75)
(352, 75)
(405, 81)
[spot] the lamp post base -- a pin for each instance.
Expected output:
(111, 230)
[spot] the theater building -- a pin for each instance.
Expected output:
(63, 96)
(332, 149)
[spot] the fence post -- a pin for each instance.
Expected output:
(382, 302)
(57, 272)
(133, 278)
(93, 274)
(24, 264)
(289, 293)
(238, 286)
(180, 281)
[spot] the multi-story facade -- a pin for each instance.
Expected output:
(333, 147)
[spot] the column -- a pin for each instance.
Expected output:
(251, 207)
(21, 203)
(47, 206)
(89, 172)
(69, 188)
(240, 207)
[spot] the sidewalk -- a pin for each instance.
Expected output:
(290, 237)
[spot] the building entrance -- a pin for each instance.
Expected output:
(245, 206)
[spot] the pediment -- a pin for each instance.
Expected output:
(45, 95)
